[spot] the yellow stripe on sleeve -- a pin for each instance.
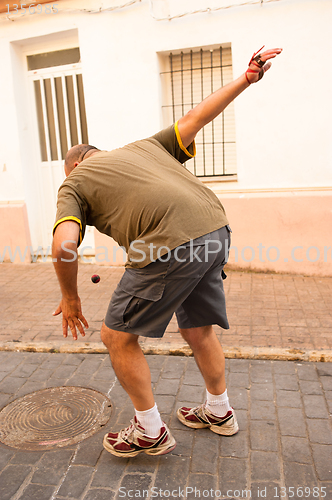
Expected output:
(178, 136)
(69, 218)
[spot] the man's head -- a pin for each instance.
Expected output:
(76, 154)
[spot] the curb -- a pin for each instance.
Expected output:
(180, 349)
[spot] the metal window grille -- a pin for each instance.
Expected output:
(188, 79)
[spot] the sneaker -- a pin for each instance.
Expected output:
(200, 417)
(133, 440)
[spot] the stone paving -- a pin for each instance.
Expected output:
(283, 448)
(264, 310)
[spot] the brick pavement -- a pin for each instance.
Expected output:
(284, 443)
(264, 310)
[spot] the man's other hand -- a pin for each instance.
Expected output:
(71, 316)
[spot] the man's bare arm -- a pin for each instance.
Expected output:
(64, 252)
(215, 103)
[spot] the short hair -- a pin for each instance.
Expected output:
(76, 154)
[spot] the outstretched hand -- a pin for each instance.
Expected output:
(71, 316)
(259, 64)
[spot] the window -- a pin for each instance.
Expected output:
(188, 78)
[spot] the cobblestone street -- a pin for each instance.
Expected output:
(284, 443)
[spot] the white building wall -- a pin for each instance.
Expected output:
(283, 123)
(288, 113)
(11, 185)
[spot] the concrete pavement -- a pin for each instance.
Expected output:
(283, 448)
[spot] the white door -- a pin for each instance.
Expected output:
(60, 123)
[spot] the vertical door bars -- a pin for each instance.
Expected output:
(172, 84)
(202, 97)
(47, 136)
(222, 118)
(56, 119)
(65, 105)
(212, 123)
(192, 94)
(45, 118)
(54, 106)
(182, 101)
(77, 110)
(40, 120)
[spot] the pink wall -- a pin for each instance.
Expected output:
(108, 252)
(298, 227)
(14, 233)
(284, 222)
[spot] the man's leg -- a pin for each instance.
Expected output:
(209, 356)
(130, 366)
(216, 413)
(148, 434)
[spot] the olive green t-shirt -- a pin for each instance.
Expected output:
(142, 196)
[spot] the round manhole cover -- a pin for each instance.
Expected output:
(53, 418)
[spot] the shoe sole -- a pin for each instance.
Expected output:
(161, 450)
(224, 430)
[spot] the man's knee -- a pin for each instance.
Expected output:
(195, 336)
(114, 339)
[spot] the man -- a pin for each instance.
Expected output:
(177, 237)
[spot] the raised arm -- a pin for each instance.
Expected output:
(215, 103)
(64, 253)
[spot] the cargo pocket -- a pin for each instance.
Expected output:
(141, 292)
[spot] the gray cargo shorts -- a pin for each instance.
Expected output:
(189, 283)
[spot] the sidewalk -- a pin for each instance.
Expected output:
(283, 446)
(272, 316)
(284, 408)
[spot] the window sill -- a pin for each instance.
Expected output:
(218, 179)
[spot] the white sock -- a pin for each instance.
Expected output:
(218, 404)
(150, 420)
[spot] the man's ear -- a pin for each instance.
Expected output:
(76, 163)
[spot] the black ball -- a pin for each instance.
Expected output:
(95, 278)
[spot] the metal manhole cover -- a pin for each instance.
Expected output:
(52, 418)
